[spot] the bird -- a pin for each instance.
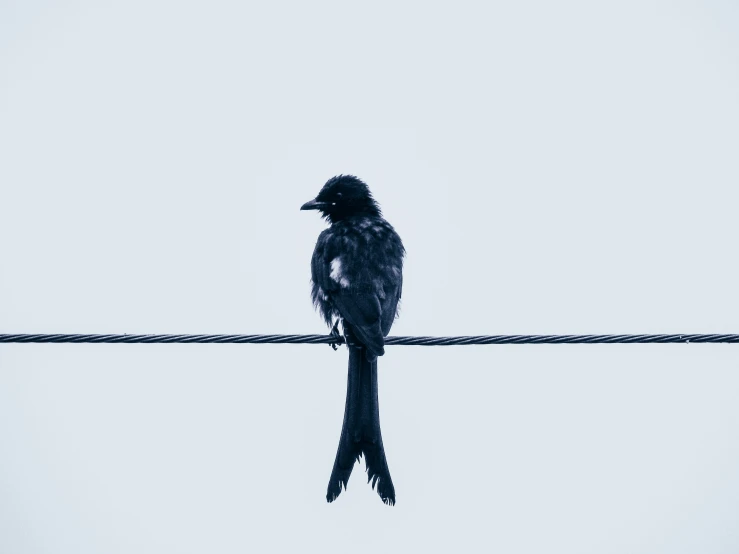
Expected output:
(357, 278)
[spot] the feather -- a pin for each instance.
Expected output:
(356, 274)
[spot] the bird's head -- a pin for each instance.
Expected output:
(343, 196)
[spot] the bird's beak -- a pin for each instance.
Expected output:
(313, 205)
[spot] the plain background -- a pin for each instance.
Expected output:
(553, 167)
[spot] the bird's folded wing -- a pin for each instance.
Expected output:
(320, 272)
(363, 311)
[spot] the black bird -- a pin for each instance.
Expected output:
(357, 277)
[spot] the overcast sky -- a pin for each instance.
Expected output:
(552, 167)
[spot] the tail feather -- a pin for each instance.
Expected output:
(360, 432)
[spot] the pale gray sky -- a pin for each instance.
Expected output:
(565, 167)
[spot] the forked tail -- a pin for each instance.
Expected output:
(360, 433)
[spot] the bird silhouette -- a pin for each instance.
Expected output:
(357, 277)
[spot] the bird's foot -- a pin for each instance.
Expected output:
(335, 334)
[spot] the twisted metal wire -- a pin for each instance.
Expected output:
(337, 339)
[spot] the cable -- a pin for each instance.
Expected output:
(337, 339)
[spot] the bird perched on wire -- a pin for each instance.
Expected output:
(357, 277)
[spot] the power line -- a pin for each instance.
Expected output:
(337, 339)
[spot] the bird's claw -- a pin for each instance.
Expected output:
(335, 334)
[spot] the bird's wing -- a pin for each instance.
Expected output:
(321, 264)
(389, 306)
(319, 272)
(364, 312)
(322, 283)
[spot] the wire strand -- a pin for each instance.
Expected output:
(337, 339)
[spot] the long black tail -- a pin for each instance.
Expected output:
(360, 433)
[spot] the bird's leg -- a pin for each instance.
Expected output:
(335, 333)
